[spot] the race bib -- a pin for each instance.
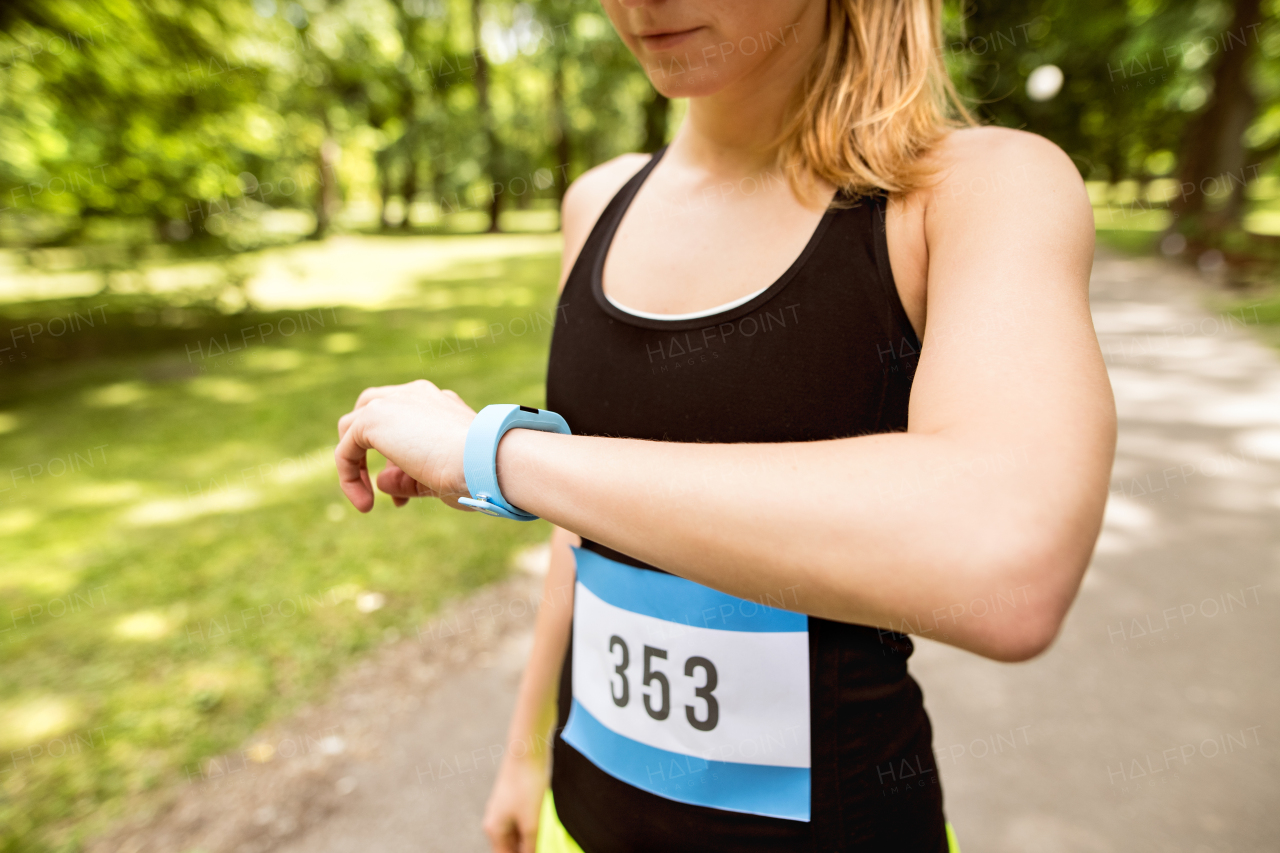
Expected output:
(689, 693)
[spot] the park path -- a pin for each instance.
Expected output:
(1149, 726)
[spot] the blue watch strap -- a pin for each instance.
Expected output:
(480, 456)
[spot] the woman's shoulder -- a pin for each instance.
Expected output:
(983, 174)
(596, 186)
(993, 164)
(990, 187)
(587, 197)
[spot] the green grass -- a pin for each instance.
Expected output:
(201, 576)
(1259, 311)
(1130, 241)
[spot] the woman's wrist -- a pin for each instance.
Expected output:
(529, 739)
(521, 467)
(529, 749)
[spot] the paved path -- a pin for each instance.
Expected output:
(425, 789)
(1149, 726)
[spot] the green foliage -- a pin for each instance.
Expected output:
(1135, 73)
(109, 110)
(193, 120)
(174, 113)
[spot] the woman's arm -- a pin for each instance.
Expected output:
(974, 527)
(511, 815)
(535, 711)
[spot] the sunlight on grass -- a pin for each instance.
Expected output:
(312, 465)
(17, 520)
(147, 625)
(477, 296)
(530, 220)
(28, 721)
(1119, 218)
(103, 494)
(36, 580)
(469, 327)
(360, 271)
(117, 394)
(223, 390)
(341, 342)
(175, 510)
(269, 360)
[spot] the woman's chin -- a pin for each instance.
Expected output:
(699, 83)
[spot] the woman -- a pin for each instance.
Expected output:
(771, 481)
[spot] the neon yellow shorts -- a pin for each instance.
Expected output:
(554, 838)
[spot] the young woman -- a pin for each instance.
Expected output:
(831, 377)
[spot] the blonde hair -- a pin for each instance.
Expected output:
(876, 100)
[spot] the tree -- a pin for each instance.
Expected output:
(1152, 87)
(656, 110)
(123, 109)
(1214, 152)
(493, 154)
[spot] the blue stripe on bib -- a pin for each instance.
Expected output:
(760, 789)
(675, 599)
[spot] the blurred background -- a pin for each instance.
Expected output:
(219, 221)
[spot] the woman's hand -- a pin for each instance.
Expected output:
(422, 431)
(511, 815)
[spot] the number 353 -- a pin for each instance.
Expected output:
(621, 694)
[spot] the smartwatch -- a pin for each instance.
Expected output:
(480, 456)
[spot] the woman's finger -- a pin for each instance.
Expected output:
(373, 393)
(370, 394)
(395, 482)
(528, 838)
(366, 397)
(502, 838)
(353, 470)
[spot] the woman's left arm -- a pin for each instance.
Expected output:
(974, 527)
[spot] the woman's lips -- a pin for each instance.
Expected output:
(666, 41)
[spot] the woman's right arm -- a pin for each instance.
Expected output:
(511, 815)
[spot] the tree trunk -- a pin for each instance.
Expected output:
(326, 199)
(409, 180)
(655, 121)
(384, 187)
(486, 120)
(408, 114)
(409, 185)
(564, 151)
(1214, 153)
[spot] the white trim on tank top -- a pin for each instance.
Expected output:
(692, 315)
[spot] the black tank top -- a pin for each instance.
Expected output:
(825, 352)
